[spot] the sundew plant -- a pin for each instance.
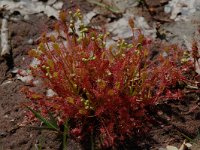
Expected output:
(102, 93)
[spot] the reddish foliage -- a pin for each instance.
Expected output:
(104, 91)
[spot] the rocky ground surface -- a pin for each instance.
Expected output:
(166, 21)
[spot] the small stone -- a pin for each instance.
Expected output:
(12, 120)
(167, 9)
(58, 5)
(5, 116)
(160, 113)
(26, 17)
(162, 126)
(188, 145)
(51, 2)
(6, 82)
(3, 134)
(30, 41)
(50, 93)
(169, 147)
(26, 79)
(168, 118)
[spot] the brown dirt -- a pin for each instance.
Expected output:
(174, 120)
(13, 135)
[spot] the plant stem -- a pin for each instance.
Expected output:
(65, 132)
(92, 141)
